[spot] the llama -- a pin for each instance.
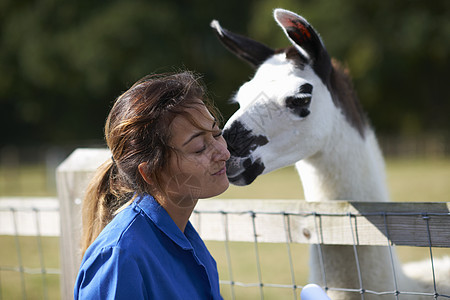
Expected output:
(300, 108)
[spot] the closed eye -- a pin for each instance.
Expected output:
(201, 150)
(218, 134)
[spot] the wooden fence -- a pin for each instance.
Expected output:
(248, 220)
(344, 223)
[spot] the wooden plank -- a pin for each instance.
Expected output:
(332, 222)
(29, 216)
(72, 178)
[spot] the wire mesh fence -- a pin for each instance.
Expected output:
(29, 261)
(356, 227)
(259, 245)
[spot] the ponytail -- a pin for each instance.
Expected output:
(104, 197)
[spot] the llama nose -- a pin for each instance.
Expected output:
(237, 165)
(241, 141)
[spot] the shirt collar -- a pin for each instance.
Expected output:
(163, 221)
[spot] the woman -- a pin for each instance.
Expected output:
(167, 152)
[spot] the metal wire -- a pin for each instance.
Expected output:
(19, 255)
(31, 271)
(427, 220)
(258, 265)
(287, 216)
(313, 213)
(227, 251)
(320, 250)
(20, 268)
(394, 275)
(355, 251)
(41, 252)
(287, 230)
(287, 219)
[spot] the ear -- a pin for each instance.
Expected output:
(301, 34)
(306, 40)
(247, 49)
(143, 171)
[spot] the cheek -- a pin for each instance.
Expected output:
(184, 184)
(193, 169)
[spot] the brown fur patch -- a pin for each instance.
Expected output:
(344, 96)
(293, 54)
(341, 88)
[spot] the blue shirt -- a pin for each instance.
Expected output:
(142, 254)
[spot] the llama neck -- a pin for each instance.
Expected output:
(348, 168)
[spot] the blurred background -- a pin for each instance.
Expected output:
(63, 63)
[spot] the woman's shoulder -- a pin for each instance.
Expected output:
(126, 230)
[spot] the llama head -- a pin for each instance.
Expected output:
(286, 111)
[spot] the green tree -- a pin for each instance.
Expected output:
(62, 63)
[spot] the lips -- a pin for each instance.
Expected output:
(221, 171)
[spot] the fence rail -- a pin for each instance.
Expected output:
(331, 223)
(405, 224)
(29, 216)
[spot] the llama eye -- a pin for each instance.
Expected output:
(295, 102)
(299, 105)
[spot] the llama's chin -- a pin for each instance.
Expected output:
(242, 176)
(239, 181)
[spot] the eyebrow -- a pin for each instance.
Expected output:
(197, 134)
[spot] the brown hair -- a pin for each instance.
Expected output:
(137, 130)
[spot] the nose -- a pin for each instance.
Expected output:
(242, 141)
(221, 152)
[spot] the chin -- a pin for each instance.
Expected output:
(219, 188)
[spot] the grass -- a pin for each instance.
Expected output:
(27, 181)
(408, 180)
(419, 180)
(37, 286)
(275, 268)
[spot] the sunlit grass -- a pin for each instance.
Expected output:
(26, 250)
(27, 181)
(419, 180)
(274, 266)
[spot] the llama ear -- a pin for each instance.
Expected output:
(301, 34)
(306, 40)
(247, 49)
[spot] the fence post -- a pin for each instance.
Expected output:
(72, 177)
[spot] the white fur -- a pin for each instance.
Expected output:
(262, 109)
(334, 163)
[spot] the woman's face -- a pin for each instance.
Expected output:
(197, 168)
